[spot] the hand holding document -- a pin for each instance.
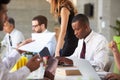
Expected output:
(41, 40)
(35, 46)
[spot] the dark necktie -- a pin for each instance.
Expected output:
(10, 40)
(82, 55)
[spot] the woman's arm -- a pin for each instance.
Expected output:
(116, 53)
(64, 22)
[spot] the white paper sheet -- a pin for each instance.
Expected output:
(41, 40)
(43, 36)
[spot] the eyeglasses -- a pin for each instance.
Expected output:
(35, 25)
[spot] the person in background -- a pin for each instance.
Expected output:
(64, 10)
(13, 36)
(91, 45)
(39, 25)
(8, 62)
(116, 54)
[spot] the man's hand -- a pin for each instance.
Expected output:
(51, 68)
(23, 43)
(34, 63)
(113, 76)
(62, 61)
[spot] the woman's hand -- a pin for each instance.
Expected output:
(113, 47)
(57, 54)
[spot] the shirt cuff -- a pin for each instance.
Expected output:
(26, 70)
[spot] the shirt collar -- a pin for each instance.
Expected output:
(89, 37)
(11, 32)
(45, 31)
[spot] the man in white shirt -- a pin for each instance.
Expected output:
(13, 36)
(96, 51)
(39, 25)
(7, 63)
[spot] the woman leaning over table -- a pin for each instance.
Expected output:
(64, 10)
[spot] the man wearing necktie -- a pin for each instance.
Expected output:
(91, 45)
(13, 36)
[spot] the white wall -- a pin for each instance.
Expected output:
(108, 10)
(24, 10)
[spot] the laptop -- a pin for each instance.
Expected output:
(86, 69)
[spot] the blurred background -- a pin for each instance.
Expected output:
(102, 14)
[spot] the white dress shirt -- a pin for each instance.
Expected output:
(16, 38)
(6, 65)
(96, 49)
(52, 44)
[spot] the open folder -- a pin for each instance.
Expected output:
(41, 40)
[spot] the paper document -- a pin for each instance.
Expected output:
(43, 36)
(41, 40)
(103, 73)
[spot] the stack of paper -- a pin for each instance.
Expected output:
(43, 36)
(41, 40)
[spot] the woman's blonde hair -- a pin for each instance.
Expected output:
(57, 4)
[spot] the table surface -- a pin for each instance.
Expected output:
(87, 71)
(38, 74)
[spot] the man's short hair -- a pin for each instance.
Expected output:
(81, 18)
(3, 2)
(11, 21)
(41, 20)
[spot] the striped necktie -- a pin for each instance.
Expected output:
(82, 54)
